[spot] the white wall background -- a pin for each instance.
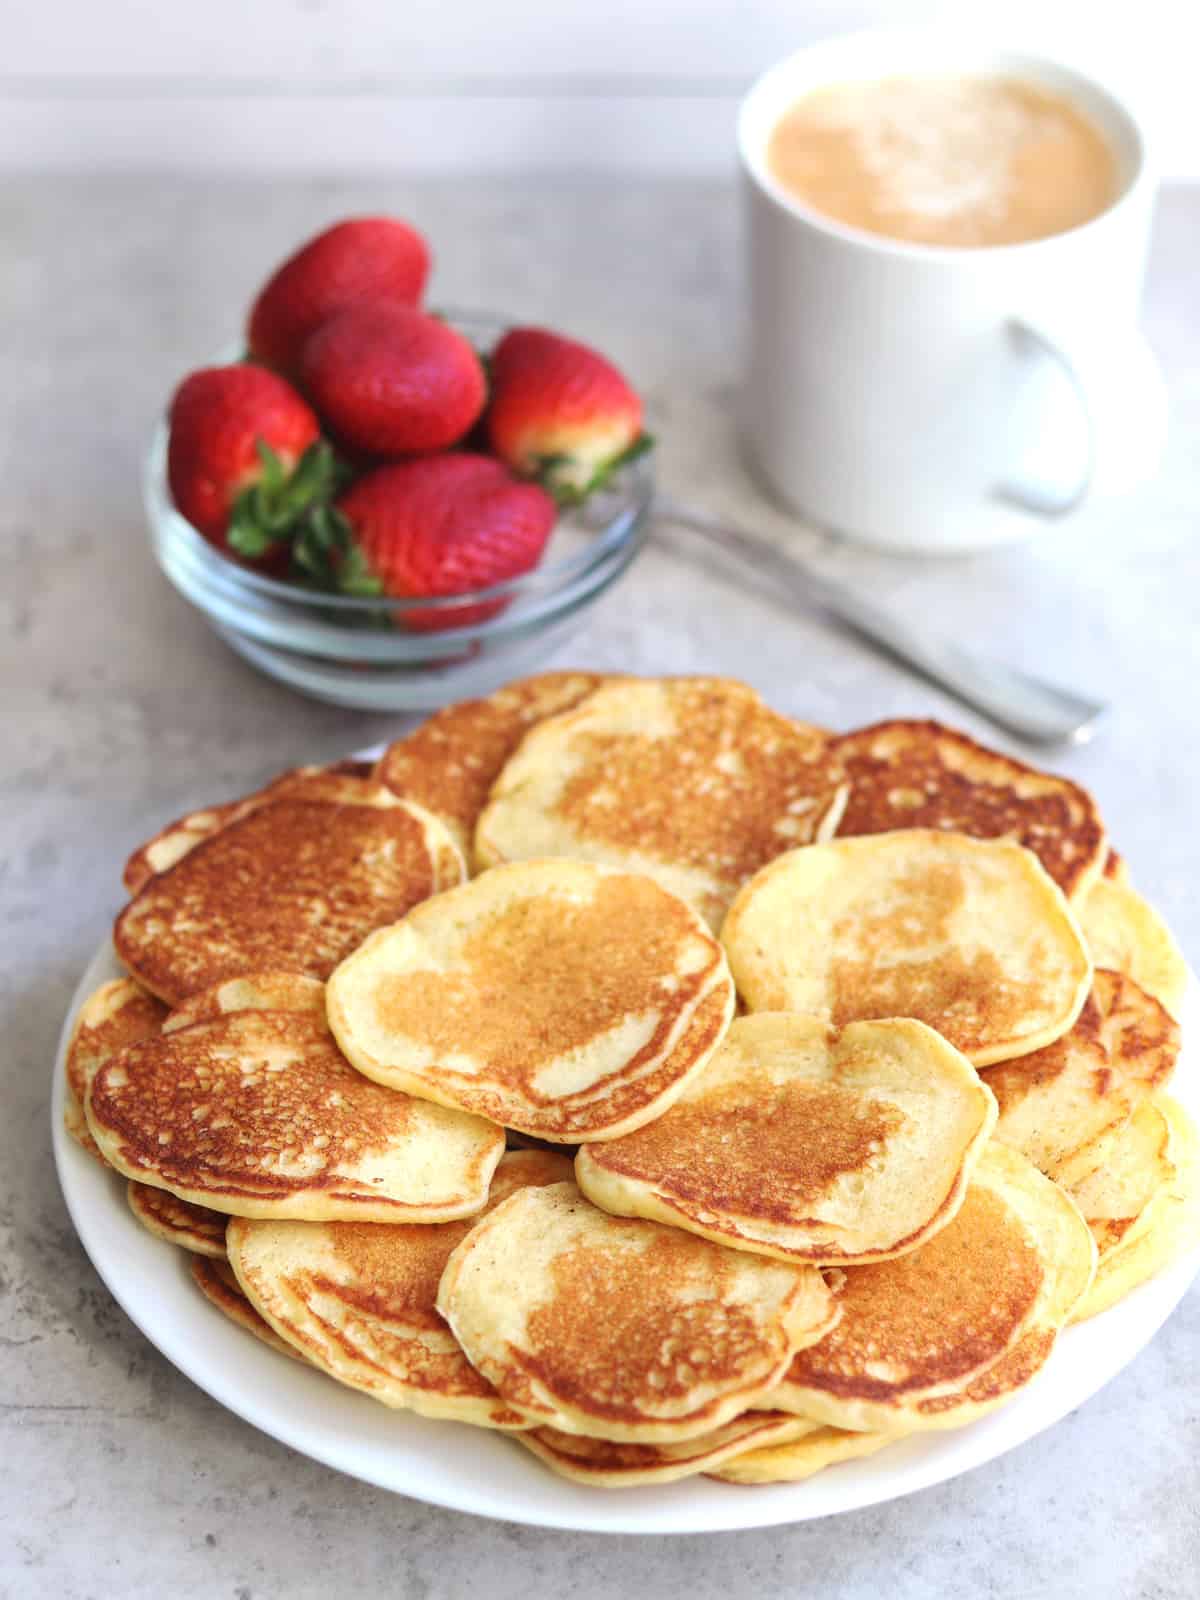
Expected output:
(330, 86)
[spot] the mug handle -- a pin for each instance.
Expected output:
(1121, 392)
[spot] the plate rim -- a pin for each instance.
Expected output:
(692, 1506)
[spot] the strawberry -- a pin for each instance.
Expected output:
(441, 525)
(560, 412)
(366, 258)
(391, 381)
(244, 458)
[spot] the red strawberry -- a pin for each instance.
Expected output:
(391, 381)
(366, 258)
(244, 459)
(560, 412)
(441, 525)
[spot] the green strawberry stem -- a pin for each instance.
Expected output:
(556, 474)
(272, 508)
(325, 555)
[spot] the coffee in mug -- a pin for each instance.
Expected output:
(945, 159)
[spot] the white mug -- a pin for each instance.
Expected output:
(920, 397)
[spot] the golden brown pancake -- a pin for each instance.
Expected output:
(924, 775)
(806, 1142)
(1140, 1035)
(193, 1228)
(620, 1329)
(1139, 1169)
(357, 1299)
(792, 1461)
(292, 885)
(116, 1014)
(217, 1284)
(260, 991)
(694, 781)
(172, 843)
(606, 1465)
(1063, 1106)
(567, 1000)
(257, 1113)
(450, 762)
(1126, 934)
(1166, 1229)
(968, 935)
(917, 1331)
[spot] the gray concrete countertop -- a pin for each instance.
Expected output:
(120, 709)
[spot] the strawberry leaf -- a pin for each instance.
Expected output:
(558, 474)
(278, 502)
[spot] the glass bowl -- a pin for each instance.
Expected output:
(350, 652)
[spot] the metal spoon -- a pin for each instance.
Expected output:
(1034, 710)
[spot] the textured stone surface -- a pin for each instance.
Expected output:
(120, 708)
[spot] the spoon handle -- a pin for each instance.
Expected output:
(1039, 712)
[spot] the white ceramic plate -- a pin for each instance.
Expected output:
(474, 1469)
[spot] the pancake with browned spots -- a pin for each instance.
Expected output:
(924, 775)
(216, 1282)
(1126, 934)
(797, 1459)
(607, 1465)
(620, 1329)
(1063, 1106)
(116, 1014)
(1166, 1229)
(357, 1299)
(968, 935)
(192, 1228)
(450, 762)
(568, 1000)
(918, 1331)
(259, 991)
(294, 885)
(257, 1113)
(172, 843)
(694, 781)
(806, 1142)
(1138, 1170)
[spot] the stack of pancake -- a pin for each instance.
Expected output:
(629, 1067)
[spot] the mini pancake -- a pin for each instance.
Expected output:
(968, 935)
(450, 762)
(261, 991)
(1138, 1173)
(925, 775)
(1063, 1106)
(917, 1331)
(357, 1299)
(172, 843)
(801, 1458)
(567, 1000)
(1166, 1229)
(605, 1465)
(216, 1282)
(1068, 1283)
(694, 781)
(293, 885)
(806, 1142)
(116, 1014)
(1126, 934)
(257, 1113)
(1140, 1035)
(192, 1228)
(619, 1329)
